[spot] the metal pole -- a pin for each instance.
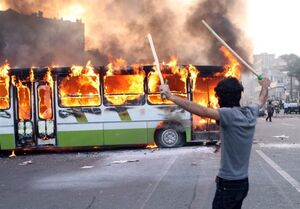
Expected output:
(230, 49)
(155, 58)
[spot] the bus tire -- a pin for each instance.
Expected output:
(168, 137)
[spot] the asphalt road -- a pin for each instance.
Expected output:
(181, 178)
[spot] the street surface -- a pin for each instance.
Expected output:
(181, 178)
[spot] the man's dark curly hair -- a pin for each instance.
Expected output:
(229, 92)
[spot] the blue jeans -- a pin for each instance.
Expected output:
(230, 193)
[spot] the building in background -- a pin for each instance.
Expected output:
(283, 87)
(27, 40)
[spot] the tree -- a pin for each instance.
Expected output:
(293, 65)
(293, 68)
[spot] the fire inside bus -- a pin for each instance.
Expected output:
(105, 106)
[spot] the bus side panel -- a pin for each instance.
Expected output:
(72, 135)
(119, 133)
(7, 133)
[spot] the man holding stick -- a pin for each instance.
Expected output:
(237, 126)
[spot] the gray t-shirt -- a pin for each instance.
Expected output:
(237, 130)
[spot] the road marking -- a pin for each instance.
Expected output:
(276, 167)
(287, 124)
(285, 145)
(167, 168)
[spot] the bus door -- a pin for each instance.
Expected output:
(203, 94)
(44, 114)
(24, 120)
(34, 118)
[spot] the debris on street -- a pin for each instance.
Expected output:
(124, 161)
(28, 162)
(282, 137)
(87, 167)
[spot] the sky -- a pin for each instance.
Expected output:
(273, 26)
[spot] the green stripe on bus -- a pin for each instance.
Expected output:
(188, 132)
(125, 136)
(79, 138)
(95, 137)
(7, 141)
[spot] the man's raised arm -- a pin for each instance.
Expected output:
(190, 106)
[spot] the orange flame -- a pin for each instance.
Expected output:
(48, 78)
(4, 86)
(193, 75)
(151, 146)
(232, 67)
(31, 75)
(80, 87)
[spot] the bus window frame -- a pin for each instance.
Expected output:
(38, 101)
(142, 96)
(9, 96)
(59, 79)
(173, 92)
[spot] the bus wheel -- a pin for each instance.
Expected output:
(168, 138)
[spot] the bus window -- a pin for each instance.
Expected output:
(45, 102)
(4, 87)
(79, 88)
(24, 101)
(176, 81)
(124, 89)
(4, 93)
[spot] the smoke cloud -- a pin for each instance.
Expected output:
(118, 29)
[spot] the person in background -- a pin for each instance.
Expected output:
(270, 111)
(237, 126)
(285, 107)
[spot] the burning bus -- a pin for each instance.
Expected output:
(103, 106)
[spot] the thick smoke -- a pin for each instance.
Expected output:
(118, 29)
(220, 14)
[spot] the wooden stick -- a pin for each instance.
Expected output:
(231, 50)
(155, 58)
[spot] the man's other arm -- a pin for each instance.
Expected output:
(263, 96)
